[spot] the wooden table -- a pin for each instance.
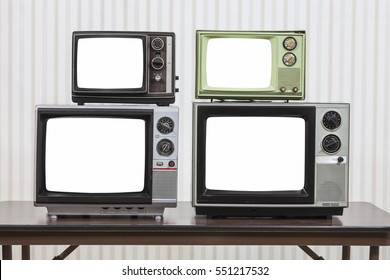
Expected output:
(362, 224)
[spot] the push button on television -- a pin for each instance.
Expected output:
(171, 163)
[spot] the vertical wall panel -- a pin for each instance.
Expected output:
(347, 61)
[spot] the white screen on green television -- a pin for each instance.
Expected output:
(239, 63)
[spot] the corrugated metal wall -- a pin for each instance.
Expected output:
(347, 60)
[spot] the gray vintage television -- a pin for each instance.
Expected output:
(106, 160)
(270, 159)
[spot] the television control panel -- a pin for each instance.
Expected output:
(160, 64)
(166, 124)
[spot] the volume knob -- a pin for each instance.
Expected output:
(331, 144)
(157, 63)
(165, 147)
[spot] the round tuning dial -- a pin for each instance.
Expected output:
(331, 120)
(289, 43)
(165, 147)
(165, 125)
(157, 44)
(289, 59)
(331, 144)
(157, 63)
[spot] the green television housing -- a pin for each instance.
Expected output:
(250, 65)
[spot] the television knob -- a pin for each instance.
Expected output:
(340, 159)
(157, 63)
(157, 78)
(289, 59)
(290, 43)
(331, 120)
(165, 147)
(331, 144)
(157, 44)
(165, 125)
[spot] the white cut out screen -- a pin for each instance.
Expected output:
(95, 155)
(255, 153)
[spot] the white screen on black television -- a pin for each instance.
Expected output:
(239, 63)
(95, 155)
(110, 63)
(255, 153)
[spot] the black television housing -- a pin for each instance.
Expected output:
(123, 67)
(270, 159)
(106, 160)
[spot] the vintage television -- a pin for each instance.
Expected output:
(251, 65)
(106, 160)
(123, 67)
(270, 159)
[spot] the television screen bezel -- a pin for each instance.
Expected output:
(205, 196)
(43, 196)
(270, 93)
(100, 91)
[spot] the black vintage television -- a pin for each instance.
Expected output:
(106, 160)
(123, 67)
(270, 159)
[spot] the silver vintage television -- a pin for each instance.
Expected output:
(270, 159)
(106, 160)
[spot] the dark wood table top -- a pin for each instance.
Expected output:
(23, 224)
(23, 216)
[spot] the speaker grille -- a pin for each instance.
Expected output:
(164, 185)
(331, 183)
(288, 77)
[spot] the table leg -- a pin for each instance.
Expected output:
(25, 252)
(66, 252)
(346, 253)
(7, 252)
(310, 252)
(374, 252)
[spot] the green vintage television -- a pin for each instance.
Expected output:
(250, 65)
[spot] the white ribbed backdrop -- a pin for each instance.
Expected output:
(348, 60)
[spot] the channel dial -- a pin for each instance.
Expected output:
(331, 120)
(157, 44)
(165, 125)
(289, 43)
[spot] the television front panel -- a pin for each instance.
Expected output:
(251, 65)
(123, 67)
(257, 159)
(106, 160)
